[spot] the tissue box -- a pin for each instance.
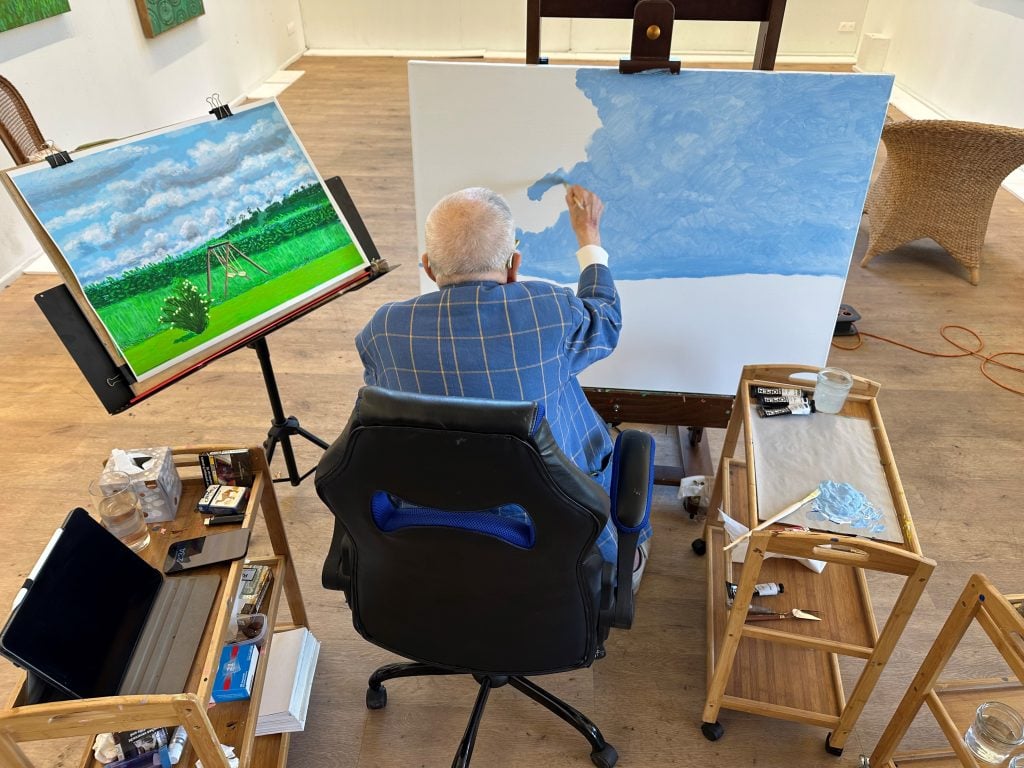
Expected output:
(154, 478)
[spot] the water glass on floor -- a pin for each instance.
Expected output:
(120, 509)
(997, 730)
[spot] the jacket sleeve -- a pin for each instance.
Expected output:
(596, 318)
(362, 346)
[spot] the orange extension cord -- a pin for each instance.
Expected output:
(986, 360)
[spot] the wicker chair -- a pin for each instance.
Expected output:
(18, 130)
(939, 180)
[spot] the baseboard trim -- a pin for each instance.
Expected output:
(704, 57)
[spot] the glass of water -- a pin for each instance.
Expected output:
(119, 509)
(831, 389)
(997, 730)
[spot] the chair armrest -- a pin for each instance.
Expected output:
(632, 485)
(337, 571)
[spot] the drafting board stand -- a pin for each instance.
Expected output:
(115, 385)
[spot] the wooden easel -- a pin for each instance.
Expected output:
(650, 51)
(768, 12)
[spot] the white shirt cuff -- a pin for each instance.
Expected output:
(591, 254)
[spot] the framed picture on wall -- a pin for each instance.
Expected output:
(17, 14)
(158, 16)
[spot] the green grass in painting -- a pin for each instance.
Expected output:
(234, 312)
(16, 13)
(132, 320)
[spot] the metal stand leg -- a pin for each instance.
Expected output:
(281, 427)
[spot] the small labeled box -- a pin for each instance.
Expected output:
(154, 478)
(223, 500)
(236, 672)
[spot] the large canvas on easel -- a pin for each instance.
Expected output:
(178, 242)
(732, 198)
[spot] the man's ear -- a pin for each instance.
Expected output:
(425, 260)
(513, 265)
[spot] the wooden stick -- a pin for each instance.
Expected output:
(773, 519)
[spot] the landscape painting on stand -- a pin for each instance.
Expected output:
(189, 237)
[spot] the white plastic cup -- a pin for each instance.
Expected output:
(997, 730)
(831, 389)
(120, 509)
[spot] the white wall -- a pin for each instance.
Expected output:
(956, 59)
(91, 74)
(499, 26)
(960, 58)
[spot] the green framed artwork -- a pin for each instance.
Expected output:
(179, 242)
(17, 13)
(158, 16)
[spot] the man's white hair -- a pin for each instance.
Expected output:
(469, 232)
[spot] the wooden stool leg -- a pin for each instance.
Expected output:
(11, 755)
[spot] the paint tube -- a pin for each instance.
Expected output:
(177, 744)
(779, 400)
(801, 409)
(768, 589)
(758, 392)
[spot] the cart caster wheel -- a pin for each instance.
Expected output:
(837, 751)
(699, 546)
(712, 731)
(605, 758)
(695, 434)
(376, 698)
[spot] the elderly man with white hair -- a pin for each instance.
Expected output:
(484, 334)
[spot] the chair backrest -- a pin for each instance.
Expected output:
(18, 130)
(451, 582)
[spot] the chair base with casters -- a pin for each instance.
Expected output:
(466, 541)
(602, 754)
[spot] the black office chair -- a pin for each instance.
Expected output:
(433, 573)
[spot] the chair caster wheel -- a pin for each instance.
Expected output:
(837, 751)
(605, 758)
(712, 731)
(376, 698)
(699, 546)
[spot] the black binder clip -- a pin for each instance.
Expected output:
(58, 157)
(218, 108)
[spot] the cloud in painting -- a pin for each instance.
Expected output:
(710, 173)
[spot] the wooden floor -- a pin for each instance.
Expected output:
(956, 438)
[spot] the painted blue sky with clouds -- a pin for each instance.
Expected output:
(159, 196)
(711, 173)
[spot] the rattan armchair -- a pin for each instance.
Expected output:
(18, 130)
(939, 180)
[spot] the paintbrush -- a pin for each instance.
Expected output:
(774, 519)
(568, 191)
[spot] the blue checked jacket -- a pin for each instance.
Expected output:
(518, 341)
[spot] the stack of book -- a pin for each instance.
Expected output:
(289, 679)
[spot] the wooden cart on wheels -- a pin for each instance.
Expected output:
(232, 723)
(789, 668)
(953, 703)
